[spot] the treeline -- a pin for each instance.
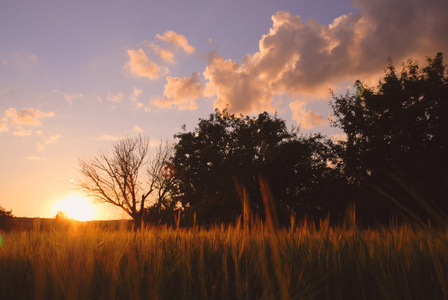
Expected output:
(393, 161)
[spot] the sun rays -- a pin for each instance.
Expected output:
(77, 207)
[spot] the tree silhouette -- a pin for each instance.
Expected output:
(129, 177)
(398, 127)
(61, 215)
(6, 219)
(225, 149)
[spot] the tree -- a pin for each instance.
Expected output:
(398, 127)
(129, 177)
(61, 215)
(6, 219)
(225, 149)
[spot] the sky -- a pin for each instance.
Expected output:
(75, 76)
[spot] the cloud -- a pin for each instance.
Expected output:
(180, 92)
(164, 54)
(48, 141)
(339, 137)
(40, 147)
(26, 116)
(139, 65)
(137, 129)
(114, 98)
(4, 127)
(155, 143)
(305, 118)
(25, 59)
(69, 97)
(33, 58)
(20, 131)
(135, 93)
(8, 92)
(176, 40)
(52, 139)
(108, 138)
(236, 87)
(300, 59)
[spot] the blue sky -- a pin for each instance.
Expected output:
(77, 75)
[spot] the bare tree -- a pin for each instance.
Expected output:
(129, 177)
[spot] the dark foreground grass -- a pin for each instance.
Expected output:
(84, 262)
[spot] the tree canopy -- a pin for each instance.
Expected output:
(399, 127)
(227, 149)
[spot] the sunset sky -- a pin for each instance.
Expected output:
(77, 75)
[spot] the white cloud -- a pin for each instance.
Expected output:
(180, 92)
(139, 65)
(177, 40)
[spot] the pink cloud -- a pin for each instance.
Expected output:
(177, 40)
(26, 116)
(300, 59)
(139, 65)
(180, 92)
(305, 118)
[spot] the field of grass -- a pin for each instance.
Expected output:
(82, 261)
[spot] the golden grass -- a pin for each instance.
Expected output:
(226, 262)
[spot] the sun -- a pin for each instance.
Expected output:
(76, 207)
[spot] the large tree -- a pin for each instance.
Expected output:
(398, 129)
(130, 177)
(226, 149)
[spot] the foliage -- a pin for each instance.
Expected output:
(398, 128)
(301, 262)
(128, 177)
(6, 219)
(226, 149)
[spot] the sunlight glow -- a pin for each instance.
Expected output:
(77, 207)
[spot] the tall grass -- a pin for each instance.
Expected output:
(225, 262)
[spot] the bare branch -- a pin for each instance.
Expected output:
(127, 176)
